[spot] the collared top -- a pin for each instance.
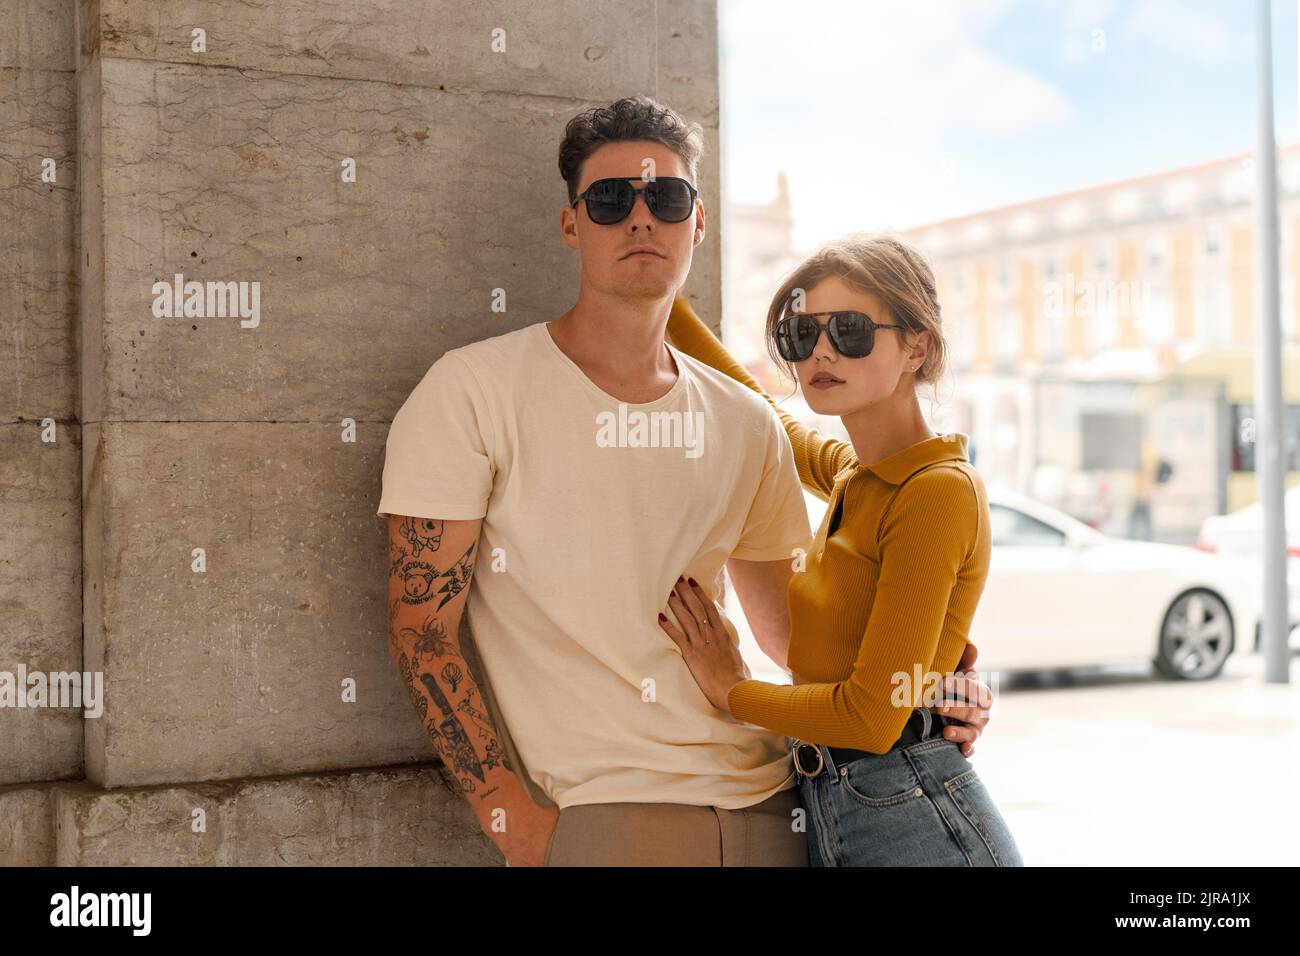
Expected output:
(881, 607)
(901, 465)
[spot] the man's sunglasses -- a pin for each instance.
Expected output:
(852, 334)
(610, 200)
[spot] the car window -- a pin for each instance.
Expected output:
(1012, 527)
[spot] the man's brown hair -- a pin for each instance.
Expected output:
(631, 118)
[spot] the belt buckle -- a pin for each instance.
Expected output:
(821, 763)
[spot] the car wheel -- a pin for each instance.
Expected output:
(1195, 636)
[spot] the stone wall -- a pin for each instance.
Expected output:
(201, 528)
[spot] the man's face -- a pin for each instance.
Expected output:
(608, 265)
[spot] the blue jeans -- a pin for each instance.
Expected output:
(917, 805)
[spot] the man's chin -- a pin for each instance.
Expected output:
(652, 290)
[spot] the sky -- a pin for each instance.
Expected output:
(890, 114)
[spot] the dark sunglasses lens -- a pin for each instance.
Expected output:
(608, 200)
(669, 199)
(796, 337)
(783, 334)
(852, 334)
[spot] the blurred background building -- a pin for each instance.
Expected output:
(1101, 339)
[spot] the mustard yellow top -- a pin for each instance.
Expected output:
(890, 584)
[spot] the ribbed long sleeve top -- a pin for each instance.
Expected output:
(883, 605)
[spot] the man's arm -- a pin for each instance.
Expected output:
(762, 587)
(431, 566)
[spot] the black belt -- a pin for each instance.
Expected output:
(911, 735)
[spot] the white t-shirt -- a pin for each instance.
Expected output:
(591, 508)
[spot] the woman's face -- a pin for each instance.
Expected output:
(835, 385)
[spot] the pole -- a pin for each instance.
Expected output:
(1268, 372)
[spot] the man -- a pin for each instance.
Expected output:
(558, 480)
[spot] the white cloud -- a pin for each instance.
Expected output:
(1185, 30)
(855, 101)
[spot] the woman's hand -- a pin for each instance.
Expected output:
(704, 641)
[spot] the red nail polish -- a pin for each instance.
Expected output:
(694, 583)
(661, 617)
(679, 579)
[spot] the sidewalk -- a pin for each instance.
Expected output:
(1126, 770)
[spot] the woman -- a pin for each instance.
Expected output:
(881, 605)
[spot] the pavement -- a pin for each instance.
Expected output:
(1119, 767)
(1126, 769)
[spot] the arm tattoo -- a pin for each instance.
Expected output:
(420, 578)
(427, 653)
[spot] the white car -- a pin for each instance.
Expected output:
(1239, 537)
(1061, 594)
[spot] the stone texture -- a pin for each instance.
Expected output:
(38, 359)
(687, 77)
(38, 122)
(219, 176)
(27, 826)
(224, 165)
(390, 817)
(563, 48)
(39, 35)
(40, 594)
(237, 671)
(362, 285)
(40, 511)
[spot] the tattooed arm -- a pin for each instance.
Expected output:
(431, 563)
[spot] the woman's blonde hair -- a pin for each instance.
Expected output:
(887, 267)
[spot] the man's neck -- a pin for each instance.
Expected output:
(619, 344)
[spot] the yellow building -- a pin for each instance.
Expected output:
(1147, 284)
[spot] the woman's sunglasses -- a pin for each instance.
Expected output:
(610, 200)
(852, 334)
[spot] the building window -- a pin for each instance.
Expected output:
(1157, 249)
(964, 347)
(1154, 319)
(1245, 436)
(1106, 315)
(1212, 311)
(1101, 260)
(1052, 334)
(1111, 441)
(1213, 241)
(1007, 352)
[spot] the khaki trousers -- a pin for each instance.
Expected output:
(675, 834)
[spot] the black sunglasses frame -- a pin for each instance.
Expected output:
(627, 205)
(783, 332)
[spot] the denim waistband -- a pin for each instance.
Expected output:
(922, 725)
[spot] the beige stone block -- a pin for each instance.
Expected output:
(562, 48)
(40, 594)
(386, 817)
(27, 826)
(38, 35)
(237, 670)
(224, 177)
(38, 277)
